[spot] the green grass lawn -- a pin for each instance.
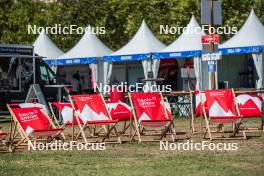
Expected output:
(139, 159)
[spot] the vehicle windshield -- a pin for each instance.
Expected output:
(15, 74)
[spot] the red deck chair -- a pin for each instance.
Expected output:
(150, 111)
(250, 106)
(69, 118)
(67, 113)
(222, 109)
(119, 110)
(116, 96)
(200, 99)
(93, 112)
(32, 125)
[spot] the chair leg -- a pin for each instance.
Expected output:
(83, 134)
(207, 129)
(167, 128)
(109, 131)
(116, 133)
(138, 133)
(173, 130)
(237, 130)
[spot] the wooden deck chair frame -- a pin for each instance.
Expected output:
(64, 126)
(126, 126)
(18, 137)
(139, 130)
(108, 128)
(254, 129)
(3, 143)
(208, 127)
(193, 119)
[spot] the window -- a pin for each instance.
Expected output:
(46, 75)
(10, 74)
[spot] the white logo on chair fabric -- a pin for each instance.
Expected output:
(89, 115)
(29, 130)
(67, 114)
(33, 105)
(242, 99)
(144, 116)
(217, 110)
(114, 105)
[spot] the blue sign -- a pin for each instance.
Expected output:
(241, 50)
(211, 67)
(125, 58)
(71, 61)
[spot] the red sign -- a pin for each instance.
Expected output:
(212, 38)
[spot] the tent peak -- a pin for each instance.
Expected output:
(42, 32)
(139, 47)
(188, 44)
(250, 34)
(44, 46)
(88, 29)
(143, 24)
(193, 22)
(252, 13)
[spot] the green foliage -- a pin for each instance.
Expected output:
(121, 18)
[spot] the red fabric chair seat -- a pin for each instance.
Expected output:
(101, 122)
(226, 117)
(44, 133)
(155, 123)
(2, 135)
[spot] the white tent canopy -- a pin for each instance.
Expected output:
(140, 47)
(249, 39)
(250, 34)
(86, 51)
(188, 44)
(43, 46)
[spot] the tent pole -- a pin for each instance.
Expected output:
(34, 67)
(211, 46)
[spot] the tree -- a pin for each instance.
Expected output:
(120, 18)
